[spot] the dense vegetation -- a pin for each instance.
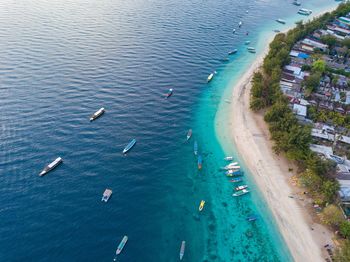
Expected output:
(289, 136)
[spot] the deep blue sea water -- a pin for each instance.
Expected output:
(62, 60)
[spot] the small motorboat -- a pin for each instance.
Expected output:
(51, 166)
(297, 3)
(121, 245)
(106, 195)
(199, 162)
(236, 180)
(182, 249)
(228, 158)
(240, 24)
(247, 42)
(239, 188)
(252, 218)
(195, 148)
(233, 52)
(232, 173)
(189, 134)
(281, 21)
(97, 114)
(210, 77)
(129, 146)
(234, 31)
(201, 205)
(241, 193)
(277, 31)
(169, 94)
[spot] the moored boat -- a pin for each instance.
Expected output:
(240, 24)
(297, 3)
(247, 42)
(281, 21)
(182, 249)
(234, 31)
(195, 148)
(241, 193)
(189, 134)
(228, 158)
(236, 180)
(233, 173)
(106, 195)
(199, 162)
(239, 188)
(303, 11)
(170, 92)
(51, 166)
(97, 114)
(201, 205)
(251, 49)
(233, 52)
(121, 245)
(129, 146)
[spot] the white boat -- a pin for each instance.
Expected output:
(240, 23)
(303, 11)
(210, 77)
(182, 249)
(189, 134)
(281, 21)
(232, 167)
(241, 187)
(51, 166)
(106, 195)
(241, 193)
(129, 146)
(97, 114)
(228, 158)
(251, 49)
(297, 3)
(232, 164)
(234, 31)
(247, 42)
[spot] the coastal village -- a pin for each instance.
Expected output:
(317, 84)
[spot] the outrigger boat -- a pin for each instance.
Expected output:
(51, 166)
(195, 148)
(233, 52)
(182, 249)
(239, 188)
(129, 146)
(97, 114)
(170, 92)
(303, 11)
(106, 195)
(251, 49)
(281, 21)
(201, 205)
(189, 134)
(199, 162)
(241, 193)
(121, 245)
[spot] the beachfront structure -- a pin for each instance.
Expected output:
(315, 44)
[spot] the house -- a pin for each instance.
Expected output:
(300, 110)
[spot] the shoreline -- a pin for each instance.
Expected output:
(250, 134)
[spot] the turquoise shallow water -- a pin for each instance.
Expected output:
(60, 62)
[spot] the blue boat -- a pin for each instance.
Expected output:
(199, 162)
(195, 148)
(121, 245)
(233, 173)
(129, 146)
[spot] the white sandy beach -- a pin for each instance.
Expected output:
(251, 136)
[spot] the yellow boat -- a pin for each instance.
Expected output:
(201, 205)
